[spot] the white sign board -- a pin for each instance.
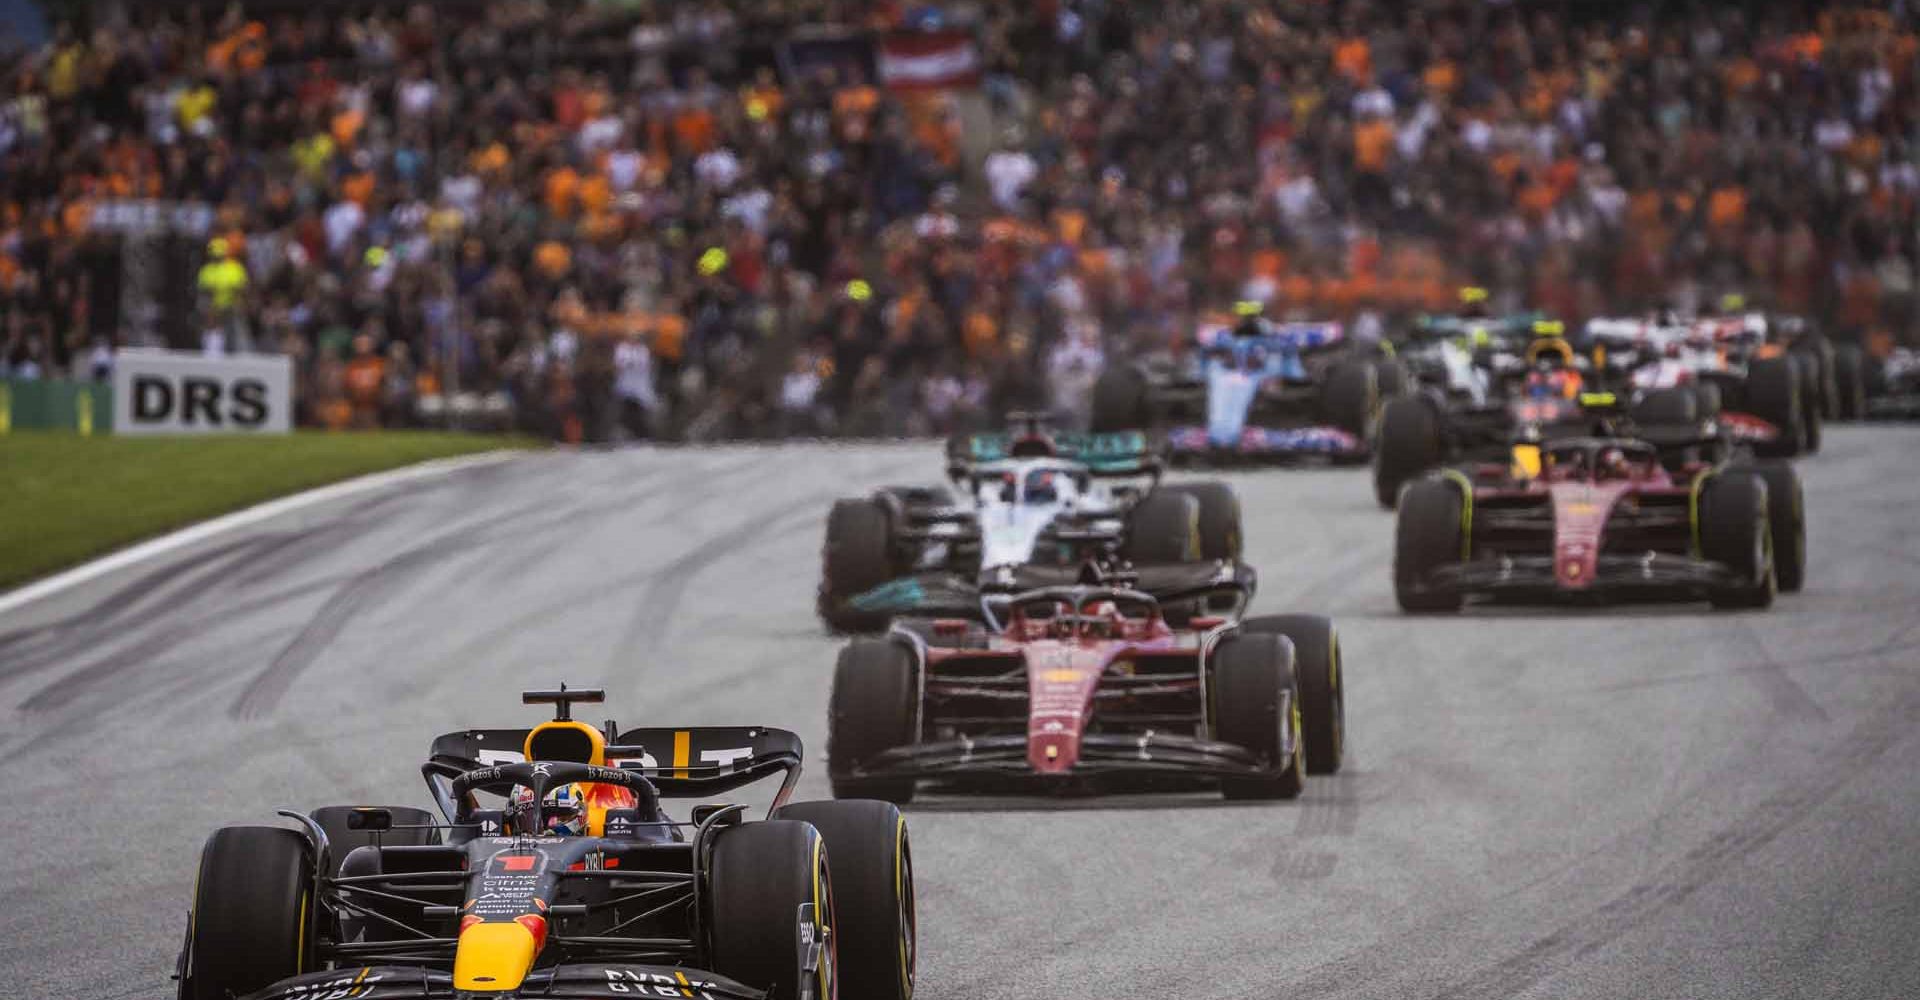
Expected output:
(182, 392)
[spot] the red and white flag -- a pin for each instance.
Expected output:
(929, 61)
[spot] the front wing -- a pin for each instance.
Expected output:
(1652, 575)
(566, 982)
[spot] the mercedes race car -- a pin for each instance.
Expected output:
(1086, 688)
(1034, 506)
(1585, 517)
(554, 871)
(1255, 391)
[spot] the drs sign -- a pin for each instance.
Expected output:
(179, 392)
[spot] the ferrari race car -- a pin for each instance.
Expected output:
(1586, 517)
(1037, 505)
(1085, 688)
(554, 871)
(1894, 386)
(1255, 391)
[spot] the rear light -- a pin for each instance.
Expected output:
(1204, 622)
(950, 626)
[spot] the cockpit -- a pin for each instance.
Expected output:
(1599, 461)
(1048, 484)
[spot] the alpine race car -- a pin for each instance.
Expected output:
(1585, 517)
(1034, 506)
(1254, 391)
(1087, 688)
(554, 871)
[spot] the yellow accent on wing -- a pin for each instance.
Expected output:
(493, 958)
(682, 751)
(1526, 461)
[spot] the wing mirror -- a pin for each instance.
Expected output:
(370, 818)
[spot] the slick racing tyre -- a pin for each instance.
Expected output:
(1410, 445)
(1318, 671)
(759, 877)
(1849, 383)
(1431, 532)
(1350, 397)
(1735, 532)
(874, 707)
(857, 557)
(1120, 401)
(253, 915)
(1219, 517)
(1255, 704)
(1773, 395)
(872, 867)
(1786, 522)
(1674, 407)
(1163, 528)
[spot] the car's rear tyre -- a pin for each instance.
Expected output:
(1219, 517)
(1256, 703)
(1707, 399)
(759, 877)
(1735, 532)
(342, 839)
(252, 918)
(1392, 378)
(1674, 407)
(874, 707)
(857, 557)
(1429, 533)
(872, 866)
(1163, 528)
(1120, 401)
(1849, 382)
(1786, 522)
(1319, 673)
(1409, 445)
(1773, 395)
(1350, 397)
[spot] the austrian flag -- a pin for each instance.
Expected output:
(929, 61)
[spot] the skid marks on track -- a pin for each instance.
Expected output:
(1703, 864)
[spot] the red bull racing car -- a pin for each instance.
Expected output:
(555, 871)
(1086, 688)
(1584, 517)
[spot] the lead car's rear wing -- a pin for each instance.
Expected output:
(681, 763)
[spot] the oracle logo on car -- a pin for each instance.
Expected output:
(177, 392)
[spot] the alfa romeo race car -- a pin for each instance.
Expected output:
(554, 871)
(1727, 368)
(1085, 688)
(1586, 517)
(1034, 506)
(1255, 391)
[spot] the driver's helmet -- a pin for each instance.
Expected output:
(566, 812)
(1548, 382)
(1043, 486)
(1613, 464)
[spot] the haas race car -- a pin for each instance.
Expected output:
(1584, 517)
(553, 870)
(1255, 391)
(1086, 688)
(1033, 506)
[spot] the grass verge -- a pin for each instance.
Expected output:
(65, 499)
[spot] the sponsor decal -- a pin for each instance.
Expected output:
(633, 982)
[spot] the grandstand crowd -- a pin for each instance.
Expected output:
(640, 218)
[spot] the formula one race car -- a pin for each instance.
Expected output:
(1600, 516)
(1037, 504)
(556, 873)
(1894, 386)
(1727, 369)
(1085, 688)
(1255, 391)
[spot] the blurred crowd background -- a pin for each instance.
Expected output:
(706, 219)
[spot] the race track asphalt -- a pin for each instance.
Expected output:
(1539, 803)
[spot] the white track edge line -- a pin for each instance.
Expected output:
(182, 537)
